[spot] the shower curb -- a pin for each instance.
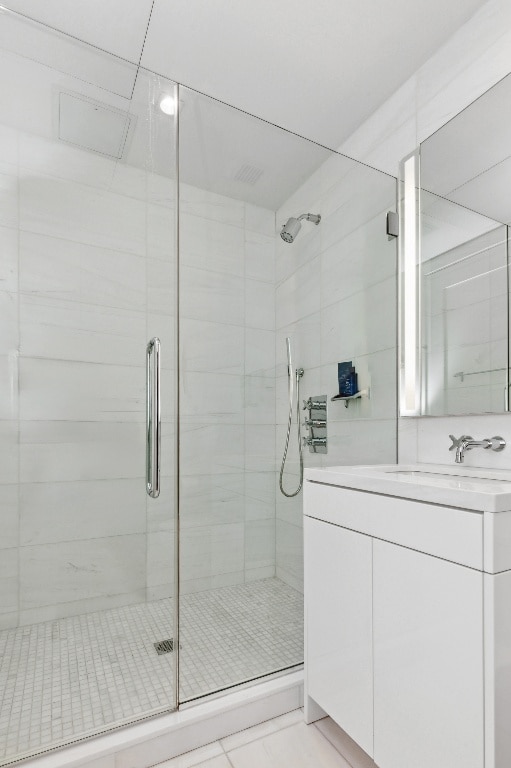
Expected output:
(163, 737)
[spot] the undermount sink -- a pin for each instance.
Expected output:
(465, 487)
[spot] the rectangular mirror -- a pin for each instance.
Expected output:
(455, 213)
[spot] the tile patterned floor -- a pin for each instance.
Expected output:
(283, 742)
(65, 678)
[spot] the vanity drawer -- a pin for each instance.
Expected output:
(447, 532)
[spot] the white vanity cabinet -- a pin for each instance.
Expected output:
(408, 624)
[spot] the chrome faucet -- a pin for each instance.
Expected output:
(466, 443)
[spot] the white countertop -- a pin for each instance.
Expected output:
(453, 486)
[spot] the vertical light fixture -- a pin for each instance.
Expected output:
(409, 286)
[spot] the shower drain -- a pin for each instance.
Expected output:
(164, 646)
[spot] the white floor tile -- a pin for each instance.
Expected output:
(263, 729)
(194, 758)
(300, 746)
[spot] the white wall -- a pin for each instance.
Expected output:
(473, 60)
(227, 450)
(336, 299)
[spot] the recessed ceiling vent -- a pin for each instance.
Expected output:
(92, 125)
(248, 174)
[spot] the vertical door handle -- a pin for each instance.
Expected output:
(153, 418)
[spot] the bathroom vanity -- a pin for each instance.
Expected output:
(408, 612)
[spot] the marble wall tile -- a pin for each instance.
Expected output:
(259, 352)
(160, 563)
(212, 499)
(9, 263)
(259, 305)
(299, 295)
(260, 257)
(211, 296)
(260, 220)
(9, 516)
(9, 581)
(62, 451)
(75, 271)
(289, 553)
(259, 544)
(260, 446)
(64, 330)
(219, 348)
(211, 550)
(259, 400)
(88, 509)
(211, 398)
(201, 203)
(76, 570)
(68, 390)
(9, 452)
(78, 213)
(9, 194)
(211, 245)
(207, 449)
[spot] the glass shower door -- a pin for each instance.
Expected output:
(87, 224)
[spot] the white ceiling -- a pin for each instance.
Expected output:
(317, 69)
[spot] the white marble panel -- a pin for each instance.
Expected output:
(9, 581)
(260, 447)
(205, 583)
(407, 441)
(80, 607)
(259, 352)
(214, 347)
(369, 441)
(161, 232)
(212, 550)
(82, 214)
(299, 294)
(211, 499)
(305, 343)
(9, 192)
(363, 258)
(260, 220)
(61, 269)
(160, 562)
(260, 487)
(9, 261)
(210, 205)
(211, 448)
(289, 553)
(362, 323)
(68, 511)
(9, 516)
(161, 286)
(57, 389)
(57, 451)
(292, 256)
(76, 570)
(9, 452)
(259, 400)
(211, 245)
(64, 330)
(259, 543)
(260, 257)
(40, 156)
(259, 305)
(9, 360)
(211, 398)
(9, 138)
(213, 296)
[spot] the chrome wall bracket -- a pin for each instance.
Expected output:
(316, 424)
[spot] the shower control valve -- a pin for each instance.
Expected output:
(313, 441)
(310, 405)
(318, 423)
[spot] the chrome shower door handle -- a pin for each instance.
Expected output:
(153, 418)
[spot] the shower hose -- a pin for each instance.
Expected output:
(298, 375)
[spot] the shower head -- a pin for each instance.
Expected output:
(292, 226)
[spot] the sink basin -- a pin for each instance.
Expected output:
(470, 488)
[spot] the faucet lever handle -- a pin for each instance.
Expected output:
(455, 442)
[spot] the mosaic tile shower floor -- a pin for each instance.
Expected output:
(68, 677)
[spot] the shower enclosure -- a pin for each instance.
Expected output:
(134, 209)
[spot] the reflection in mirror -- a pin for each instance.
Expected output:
(465, 210)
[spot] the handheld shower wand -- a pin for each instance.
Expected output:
(291, 377)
